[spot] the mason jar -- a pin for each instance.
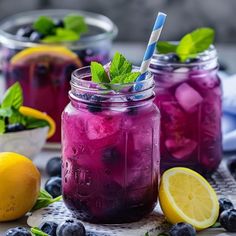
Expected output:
(189, 99)
(110, 150)
(44, 72)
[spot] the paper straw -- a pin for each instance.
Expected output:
(156, 32)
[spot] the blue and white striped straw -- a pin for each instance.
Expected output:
(156, 32)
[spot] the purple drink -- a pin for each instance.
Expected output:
(110, 151)
(189, 99)
(45, 76)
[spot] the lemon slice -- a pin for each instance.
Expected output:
(57, 53)
(185, 196)
(27, 111)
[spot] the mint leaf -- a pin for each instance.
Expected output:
(5, 112)
(166, 47)
(2, 126)
(216, 225)
(33, 123)
(37, 232)
(13, 97)
(17, 117)
(99, 74)
(61, 35)
(75, 23)
(132, 77)
(44, 25)
(44, 200)
(195, 42)
(119, 65)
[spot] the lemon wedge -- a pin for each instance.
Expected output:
(185, 196)
(27, 111)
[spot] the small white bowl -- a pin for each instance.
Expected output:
(28, 142)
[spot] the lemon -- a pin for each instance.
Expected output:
(185, 196)
(42, 53)
(27, 111)
(19, 185)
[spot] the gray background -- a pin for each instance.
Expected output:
(135, 17)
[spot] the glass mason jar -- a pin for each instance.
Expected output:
(44, 73)
(189, 99)
(110, 150)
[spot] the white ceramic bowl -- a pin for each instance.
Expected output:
(28, 142)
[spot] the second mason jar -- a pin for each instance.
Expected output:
(189, 99)
(110, 150)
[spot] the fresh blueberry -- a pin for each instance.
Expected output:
(59, 23)
(53, 167)
(24, 32)
(172, 57)
(222, 66)
(36, 36)
(111, 156)
(232, 165)
(53, 186)
(85, 96)
(182, 229)
(18, 231)
(225, 204)
(228, 220)
(14, 127)
(94, 108)
(192, 60)
(72, 228)
(49, 228)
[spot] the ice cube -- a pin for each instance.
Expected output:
(187, 97)
(99, 127)
(180, 148)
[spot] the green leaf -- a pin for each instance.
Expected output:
(33, 123)
(38, 232)
(119, 65)
(17, 117)
(147, 234)
(61, 35)
(195, 42)
(5, 112)
(166, 47)
(44, 200)
(132, 77)
(216, 225)
(75, 23)
(44, 25)
(2, 127)
(13, 97)
(99, 74)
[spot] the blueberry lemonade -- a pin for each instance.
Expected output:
(110, 139)
(40, 49)
(189, 98)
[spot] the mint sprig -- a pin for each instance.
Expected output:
(120, 72)
(37, 232)
(189, 45)
(44, 25)
(44, 200)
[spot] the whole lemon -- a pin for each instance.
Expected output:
(19, 185)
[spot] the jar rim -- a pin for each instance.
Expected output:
(99, 21)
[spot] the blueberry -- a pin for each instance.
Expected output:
(228, 220)
(182, 229)
(24, 32)
(85, 96)
(59, 23)
(94, 108)
(53, 186)
(36, 36)
(232, 165)
(225, 204)
(72, 228)
(110, 156)
(14, 127)
(172, 57)
(192, 60)
(18, 231)
(49, 228)
(53, 167)
(68, 71)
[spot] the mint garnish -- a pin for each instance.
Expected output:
(44, 25)
(37, 232)
(120, 72)
(190, 45)
(75, 23)
(10, 114)
(44, 200)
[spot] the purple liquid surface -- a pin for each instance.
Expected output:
(190, 106)
(110, 163)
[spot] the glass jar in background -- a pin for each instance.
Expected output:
(189, 99)
(110, 150)
(44, 73)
